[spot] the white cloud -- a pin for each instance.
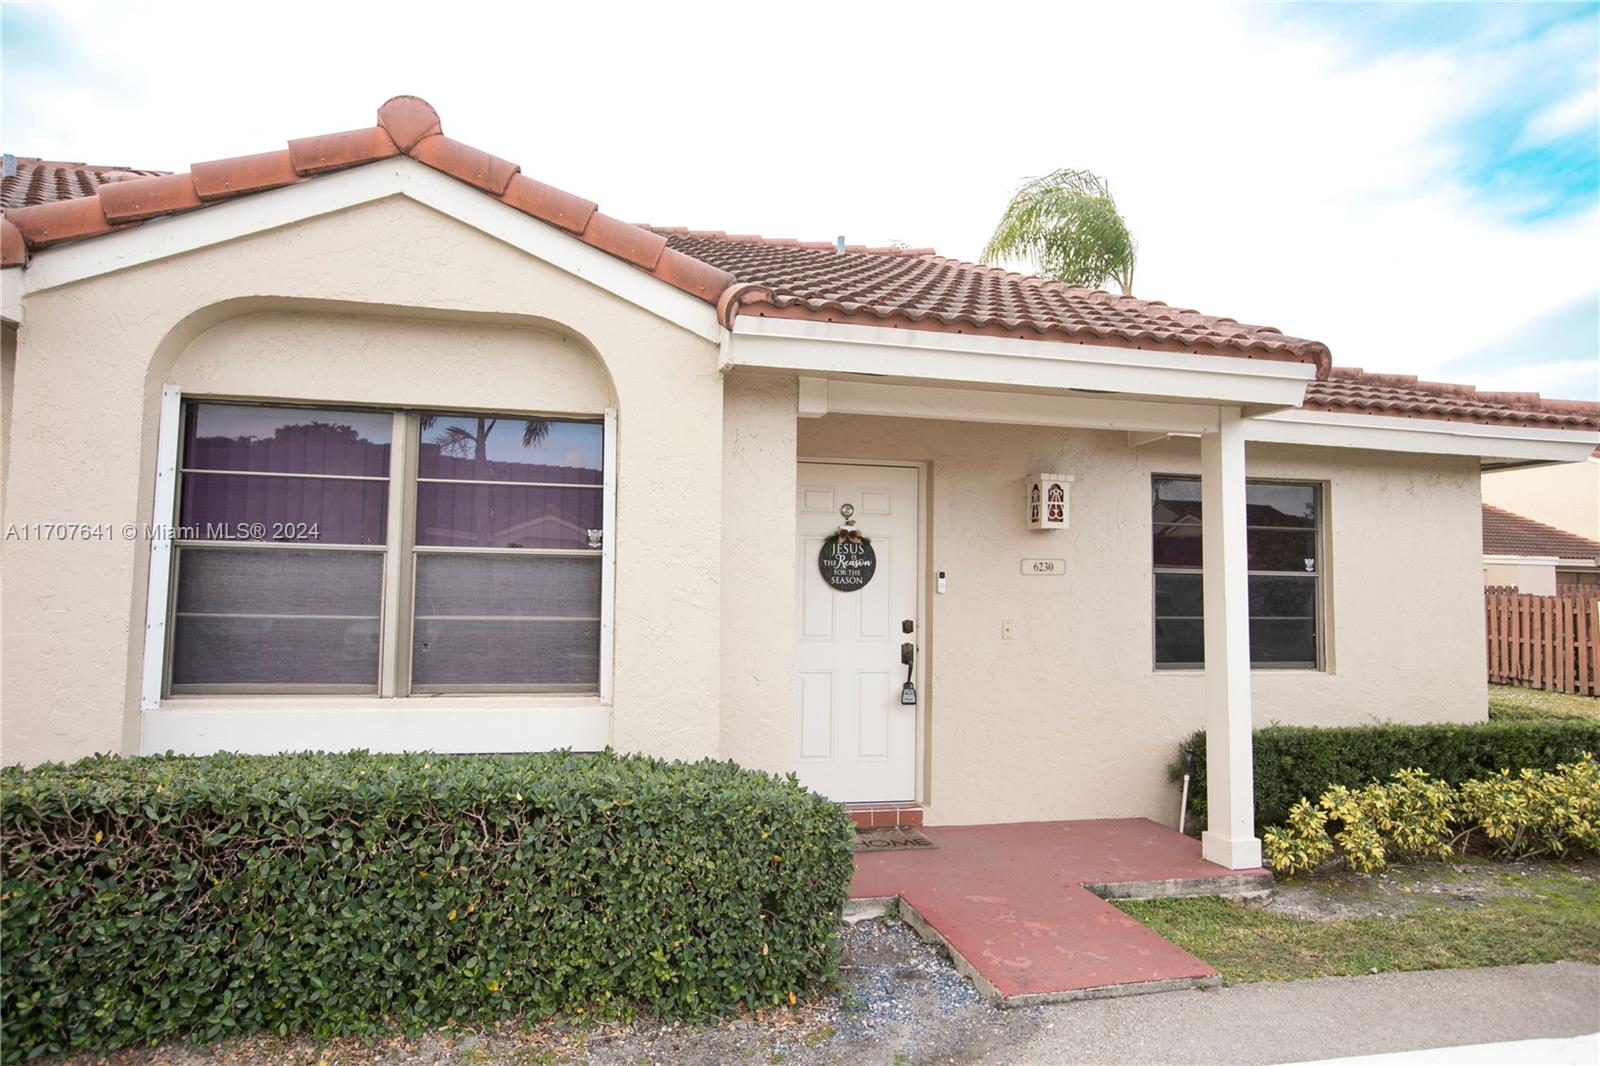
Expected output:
(1269, 173)
(1578, 113)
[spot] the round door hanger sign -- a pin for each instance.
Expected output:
(847, 560)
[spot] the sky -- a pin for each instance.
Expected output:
(1418, 186)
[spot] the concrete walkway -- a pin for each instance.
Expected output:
(1010, 903)
(1326, 1018)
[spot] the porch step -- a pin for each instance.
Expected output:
(885, 815)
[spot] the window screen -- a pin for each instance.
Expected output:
(286, 550)
(507, 558)
(1283, 533)
(279, 563)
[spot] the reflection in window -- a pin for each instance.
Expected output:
(1283, 538)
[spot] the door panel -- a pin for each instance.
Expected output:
(856, 741)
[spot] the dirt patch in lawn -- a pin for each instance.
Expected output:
(1405, 889)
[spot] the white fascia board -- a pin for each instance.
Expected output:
(162, 238)
(1520, 560)
(12, 284)
(1017, 408)
(831, 349)
(1430, 436)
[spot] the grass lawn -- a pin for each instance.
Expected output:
(1416, 921)
(1510, 701)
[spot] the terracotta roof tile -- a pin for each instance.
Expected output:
(408, 119)
(549, 204)
(1350, 390)
(13, 248)
(638, 246)
(1507, 533)
(222, 178)
(335, 151)
(692, 276)
(914, 287)
(46, 224)
(40, 181)
(465, 163)
(130, 201)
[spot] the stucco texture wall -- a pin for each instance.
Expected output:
(1069, 719)
(390, 303)
(758, 523)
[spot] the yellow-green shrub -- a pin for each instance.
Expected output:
(1360, 843)
(1413, 812)
(1537, 812)
(1299, 844)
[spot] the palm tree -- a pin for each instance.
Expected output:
(474, 444)
(1067, 226)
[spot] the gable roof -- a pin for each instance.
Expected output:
(1508, 533)
(46, 203)
(912, 288)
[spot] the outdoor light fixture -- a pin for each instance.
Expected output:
(1049, 496)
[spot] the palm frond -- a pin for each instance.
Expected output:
(534, 430)
(1067, 227)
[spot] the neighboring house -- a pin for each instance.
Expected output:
(1563, 495)
(310, 374)
(1536, 558)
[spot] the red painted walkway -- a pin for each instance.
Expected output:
(1009, 899)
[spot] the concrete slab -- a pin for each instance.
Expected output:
(1011, 905)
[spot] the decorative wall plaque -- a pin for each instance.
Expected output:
(847, 560)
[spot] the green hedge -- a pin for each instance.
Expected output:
(1292, 762)
(149, 898)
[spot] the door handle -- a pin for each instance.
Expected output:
(908, 653)
(908, 691)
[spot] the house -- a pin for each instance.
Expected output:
(1535, 558)
(1563, 495)
(375, 441)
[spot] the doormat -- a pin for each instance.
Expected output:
(896, 838)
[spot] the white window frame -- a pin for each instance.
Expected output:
(379, 722)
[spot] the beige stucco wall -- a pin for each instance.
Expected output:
(389, 303)
(758, 524)
(1068, 719)
(1566, 495)
(1535, 579)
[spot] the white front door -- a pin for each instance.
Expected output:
(856, 739)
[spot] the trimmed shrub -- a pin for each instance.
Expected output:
(149, 898)
(1292, 762)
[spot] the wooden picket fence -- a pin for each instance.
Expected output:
(1548, 642)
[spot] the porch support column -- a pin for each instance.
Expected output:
(1230, 837)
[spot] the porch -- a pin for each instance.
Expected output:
(1022, 907)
